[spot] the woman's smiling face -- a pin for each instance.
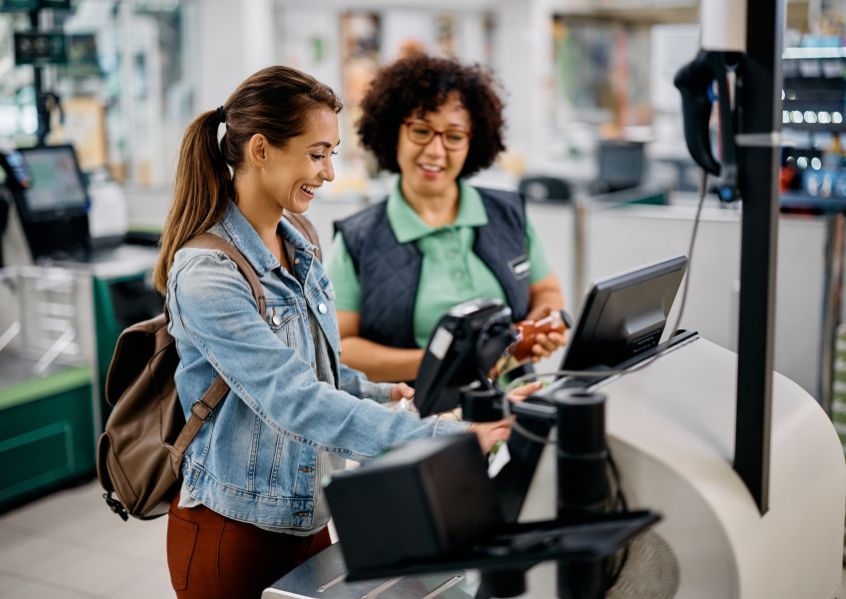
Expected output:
(295, 171)
(431, 170)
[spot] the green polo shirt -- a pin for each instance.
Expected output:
(450, 272)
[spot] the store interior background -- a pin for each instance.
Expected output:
(574, 73)
(588, 91)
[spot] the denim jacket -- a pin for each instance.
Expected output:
(255, 459)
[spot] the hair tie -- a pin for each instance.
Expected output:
(221, 114)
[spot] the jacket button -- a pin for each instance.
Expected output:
(296, 260)
(322, 308)
(302, 514)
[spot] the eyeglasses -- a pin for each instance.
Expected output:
(422, 134)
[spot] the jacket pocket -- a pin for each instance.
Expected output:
(283, 321)
(286, 462)
(181, 540)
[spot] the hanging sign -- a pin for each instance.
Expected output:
(40, 48)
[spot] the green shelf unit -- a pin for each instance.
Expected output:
(654, 199)
(46, 434)
(838, 398)
(118, 303)
(107, 330)
(646, 195)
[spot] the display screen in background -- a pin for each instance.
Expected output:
(55, 182)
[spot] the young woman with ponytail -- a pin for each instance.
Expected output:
(251, 505)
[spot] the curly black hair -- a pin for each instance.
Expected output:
(420, 84)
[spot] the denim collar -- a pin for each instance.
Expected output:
(247, 240)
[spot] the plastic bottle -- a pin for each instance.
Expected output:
(556, 322)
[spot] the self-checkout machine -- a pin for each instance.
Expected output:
(64, 270)
(733, 476)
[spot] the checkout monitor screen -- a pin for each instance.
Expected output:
(624, 315)
(55, 185)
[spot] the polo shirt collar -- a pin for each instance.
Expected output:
(408, 226)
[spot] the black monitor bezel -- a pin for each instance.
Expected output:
(583, 334)
(65, 212)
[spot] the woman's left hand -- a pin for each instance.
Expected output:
(524, 391)
(401, 391)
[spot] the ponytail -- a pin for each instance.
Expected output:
(275, 102)
(201, 192)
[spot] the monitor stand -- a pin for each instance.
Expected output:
(591, 383)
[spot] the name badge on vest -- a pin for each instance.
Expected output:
(520, 267)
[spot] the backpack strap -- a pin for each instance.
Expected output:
(202, 408)
(210, 241)
(305, 227)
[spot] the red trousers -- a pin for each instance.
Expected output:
(213, 557)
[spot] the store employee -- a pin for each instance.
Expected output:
(436, 241)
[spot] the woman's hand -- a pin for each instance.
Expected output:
(524, 391)
(490, 433)
(545, 343)
(401, 391)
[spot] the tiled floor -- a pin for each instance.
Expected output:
(70, 546)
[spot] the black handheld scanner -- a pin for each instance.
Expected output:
(694, 81)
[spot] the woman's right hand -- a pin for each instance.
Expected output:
(490, 433)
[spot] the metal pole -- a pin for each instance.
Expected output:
(41, 112)
(580, 233)
(758, 161)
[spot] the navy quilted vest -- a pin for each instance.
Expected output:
(389, 272)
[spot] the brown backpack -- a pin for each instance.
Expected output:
(140, 452)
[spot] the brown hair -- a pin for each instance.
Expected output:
(274, 102)
(420, 83)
